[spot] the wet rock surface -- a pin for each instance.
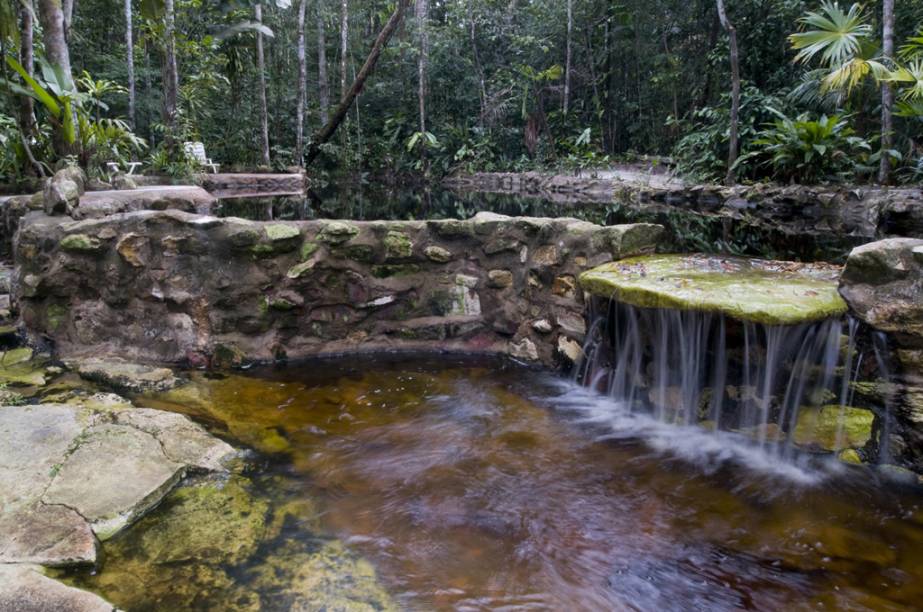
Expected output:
(77, 469)
(23, 587)
(168, 286)
(883, 284)
(769, 292)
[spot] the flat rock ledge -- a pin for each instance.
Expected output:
(74, 474)
(753, 290)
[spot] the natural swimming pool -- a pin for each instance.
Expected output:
(434, 482)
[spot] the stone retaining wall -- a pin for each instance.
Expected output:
(864, 213)
(174, 287)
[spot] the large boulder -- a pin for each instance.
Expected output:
(63, 190)
(883, 285)
(769, 292)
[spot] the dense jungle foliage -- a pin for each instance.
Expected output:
(468, 85)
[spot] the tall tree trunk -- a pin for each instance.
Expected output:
(733, 139)
(887, 94)
(51, 17)
(344, 45)
(130, 63)
(567, 64)
(421, 15)
(261, 86)
(26, 58)
(302, 86)
(477, 64)
(170, 75)
(323, 85)
(324, 134)
(68, 8)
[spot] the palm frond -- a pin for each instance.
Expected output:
(837, 36)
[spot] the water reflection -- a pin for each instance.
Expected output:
(686, 232)
(476, 486)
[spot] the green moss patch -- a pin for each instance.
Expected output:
(770, 292)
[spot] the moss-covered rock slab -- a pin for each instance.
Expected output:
(769, 292)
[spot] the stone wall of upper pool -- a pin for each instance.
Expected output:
(177, 287)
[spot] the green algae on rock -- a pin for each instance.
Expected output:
(761, 291)
(833, 427)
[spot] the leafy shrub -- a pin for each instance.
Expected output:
(808, 151)
(701, 153)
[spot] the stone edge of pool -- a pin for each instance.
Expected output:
(179, 288)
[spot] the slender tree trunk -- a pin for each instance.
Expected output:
(477, 64)
(68, 8)
(567, 61)
(130, 63)
(344, 45)
(302, 86)
(170, 75)
(733, 144)
(261, 86)
(887, 94)
(323, 85)
(324, 134)
(148, 91)
(421, 15)
(26, 58)
(51, 17)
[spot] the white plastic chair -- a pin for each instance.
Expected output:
(196, 150)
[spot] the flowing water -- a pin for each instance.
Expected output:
(438, 483)
(691, 367)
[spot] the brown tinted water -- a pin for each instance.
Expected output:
(432, 483)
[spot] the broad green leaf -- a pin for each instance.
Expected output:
(41, 93)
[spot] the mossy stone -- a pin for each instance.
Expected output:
(338, 232)
(364, 253)
(214, 520)
(244, 238)
(81, 242)
(398, 245)
(308, 249)
(17, 367)
(281, 231)
(298, 270)
(769, 292)
(54, 316)
(438, 254)
(820, 427)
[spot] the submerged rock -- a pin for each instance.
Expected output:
(19, 367)
(213, 520)
(833, 427)
(769, 292)
(216, 543)
(124, 376)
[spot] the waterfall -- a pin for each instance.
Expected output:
(691, 368)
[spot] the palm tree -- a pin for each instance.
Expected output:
(844, 44)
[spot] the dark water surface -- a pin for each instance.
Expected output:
(686, 232)
(481, 485)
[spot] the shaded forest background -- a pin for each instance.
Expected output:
(468, 85)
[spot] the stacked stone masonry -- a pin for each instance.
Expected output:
(175, 287)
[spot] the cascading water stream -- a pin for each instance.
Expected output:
(691, 368)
